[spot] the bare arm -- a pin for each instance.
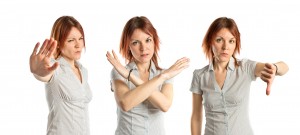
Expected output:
(268, 71)
(127, 99)
(196, 119)
(160, 99)
(40, 62)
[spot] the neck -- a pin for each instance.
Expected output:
(143, 67)
(71, 62)
(220, 66)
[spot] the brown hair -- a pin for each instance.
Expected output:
(145, 25)
(214, 28)
(61, 29)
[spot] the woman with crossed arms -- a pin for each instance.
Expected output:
(143, 90)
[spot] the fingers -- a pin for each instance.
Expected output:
(108, 55)
(54, 66)
(115, 56)
(182, 63)
(267, 75)
(270, 68)
(35, 48)
(48, 47)
(268, 90)
(52, 48)
(268, 65)
(45, 43)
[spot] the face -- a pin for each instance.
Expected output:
(223, 45)
(141, 46)
(73, 45)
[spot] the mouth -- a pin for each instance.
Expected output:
(144, 55)
(224, 53)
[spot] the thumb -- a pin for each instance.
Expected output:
(268, 90)
(54, 66)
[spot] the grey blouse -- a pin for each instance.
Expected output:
(226, 110)
(143, 119)
(68, 100)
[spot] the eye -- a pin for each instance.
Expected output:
(134, 43)
(70, 40)
(218, 40)
(148, 40)
(81, 38)
(231, 41)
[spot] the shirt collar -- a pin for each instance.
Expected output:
(132, 65)
(230, 65)
(62, 61)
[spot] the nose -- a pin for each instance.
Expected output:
(143, 46)
(78, 44)
(225, 46)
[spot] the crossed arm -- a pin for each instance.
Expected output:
(127, 98)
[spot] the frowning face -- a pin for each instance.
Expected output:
(141, 46)
(73, 45)
(223, 46)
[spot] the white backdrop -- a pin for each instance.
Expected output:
(269, 31)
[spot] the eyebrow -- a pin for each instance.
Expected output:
(223, 38)
(139, 40)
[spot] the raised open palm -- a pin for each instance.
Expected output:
(40, 62)
(114, 61)
(177, 67)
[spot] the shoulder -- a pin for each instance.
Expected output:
(200, 72)
(246, 62)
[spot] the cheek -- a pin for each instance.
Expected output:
(233, 48)
(152, 47)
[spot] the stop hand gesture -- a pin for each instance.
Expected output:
(40, 64)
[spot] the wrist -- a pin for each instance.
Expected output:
(164, 76)
(276, 69)
(128, 77)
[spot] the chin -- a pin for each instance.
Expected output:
(76, 58)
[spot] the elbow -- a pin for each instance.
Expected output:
(124, 106)
(165, 108)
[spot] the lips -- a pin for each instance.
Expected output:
(144, 55)
(224, 53)
(78, 52)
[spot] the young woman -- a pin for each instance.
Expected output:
(67, 90)
(143, 90)
(223, 86)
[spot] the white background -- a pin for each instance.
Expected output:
(269, 32)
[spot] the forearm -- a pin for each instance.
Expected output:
(196, 126)
(134, 97)
(161, 100)
(282, 68)
(135, 80)
(43, 79)
(196, 119)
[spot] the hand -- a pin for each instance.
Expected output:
(114, 61)
(268, 75)
(176, 68)
(40, 62)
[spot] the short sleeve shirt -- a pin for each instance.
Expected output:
(226, 109)
(68, 100)
(143, 119)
